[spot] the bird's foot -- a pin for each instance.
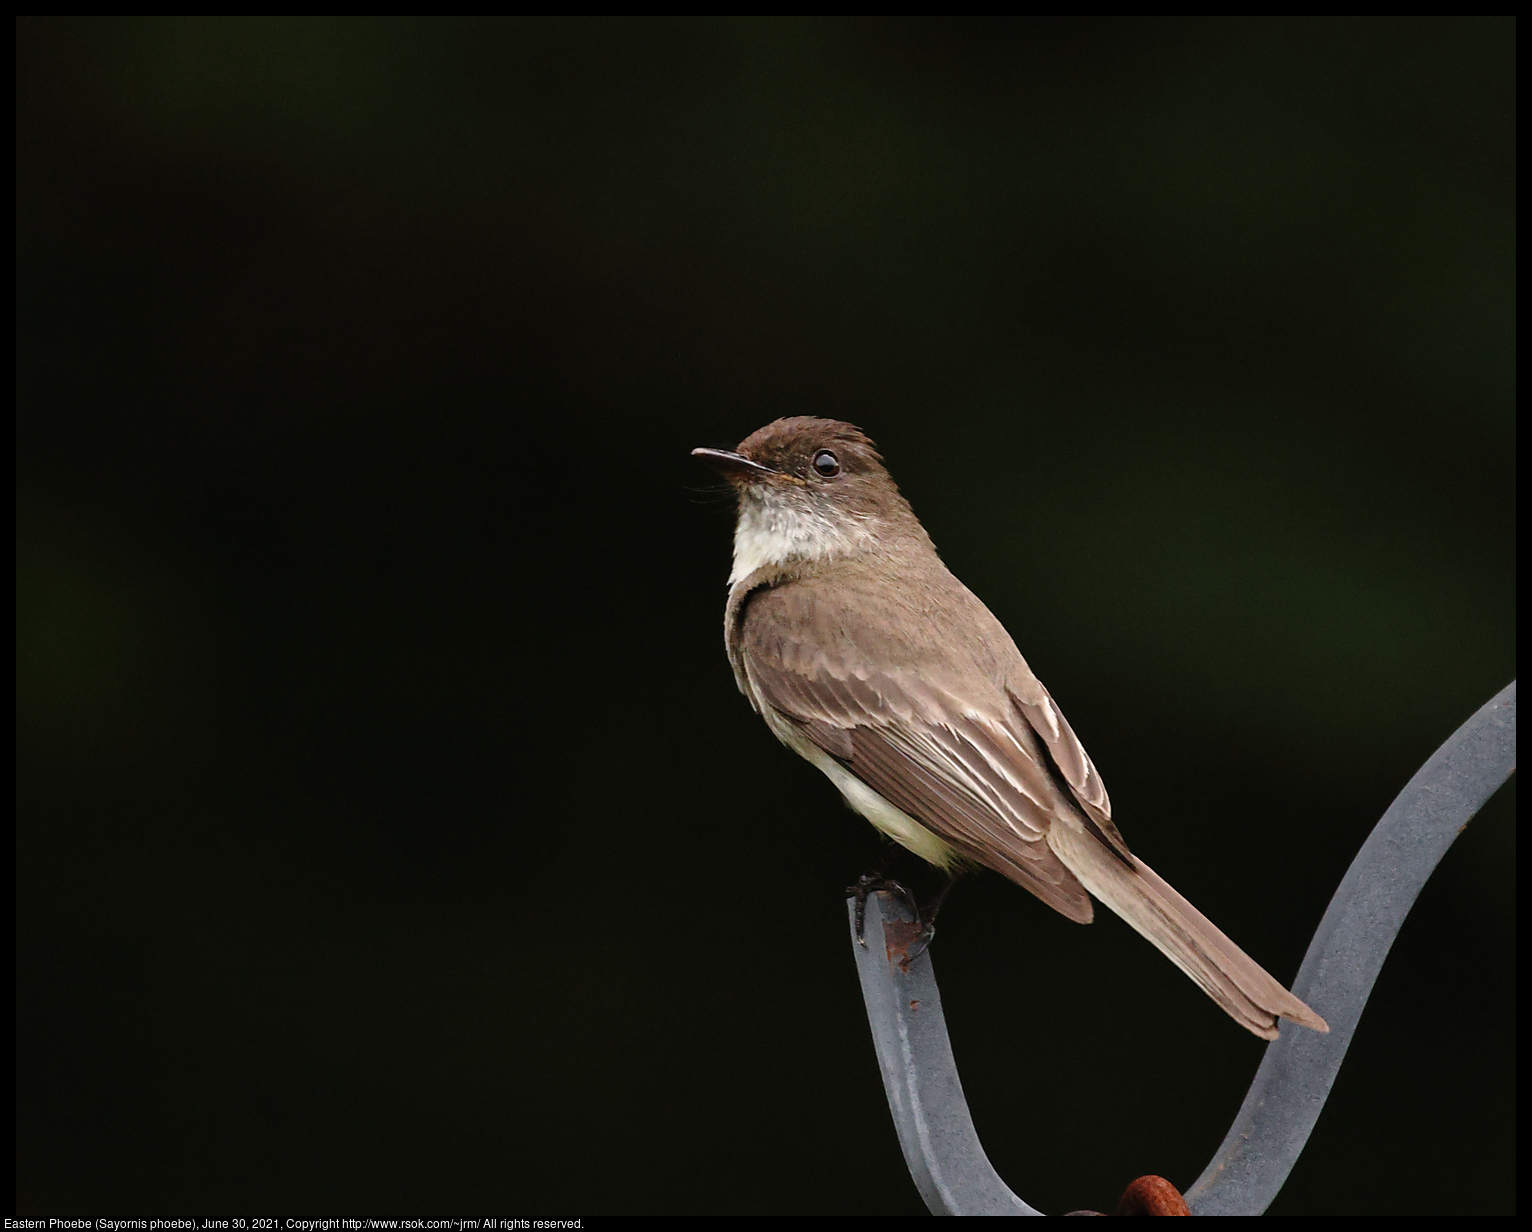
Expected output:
(870, 883)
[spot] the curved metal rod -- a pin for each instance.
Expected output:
(931, 1116)
(936, 1132)
(1347, 953)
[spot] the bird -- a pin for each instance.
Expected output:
(866, 656)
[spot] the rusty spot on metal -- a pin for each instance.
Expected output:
(1151, 1195)
(914, 1007)
(898, 936)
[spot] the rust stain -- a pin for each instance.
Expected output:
(898, 936)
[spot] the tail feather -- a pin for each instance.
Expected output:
(1183, 934)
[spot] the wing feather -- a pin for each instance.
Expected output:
(1080, 779)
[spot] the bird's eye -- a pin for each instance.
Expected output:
(827, 464)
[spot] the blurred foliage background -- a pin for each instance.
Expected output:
(391, 834)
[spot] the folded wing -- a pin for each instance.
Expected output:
(979, 783)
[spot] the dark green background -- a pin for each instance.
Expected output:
(392, 837)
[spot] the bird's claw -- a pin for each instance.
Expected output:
(869, 884)
(921, 943)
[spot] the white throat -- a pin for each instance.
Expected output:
(772, 531)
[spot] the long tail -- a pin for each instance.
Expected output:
(1183, 934)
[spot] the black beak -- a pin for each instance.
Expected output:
(732, 465)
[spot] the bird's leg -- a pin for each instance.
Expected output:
(872, 881)
(935, 905)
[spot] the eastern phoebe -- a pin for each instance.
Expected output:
(869, 659)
